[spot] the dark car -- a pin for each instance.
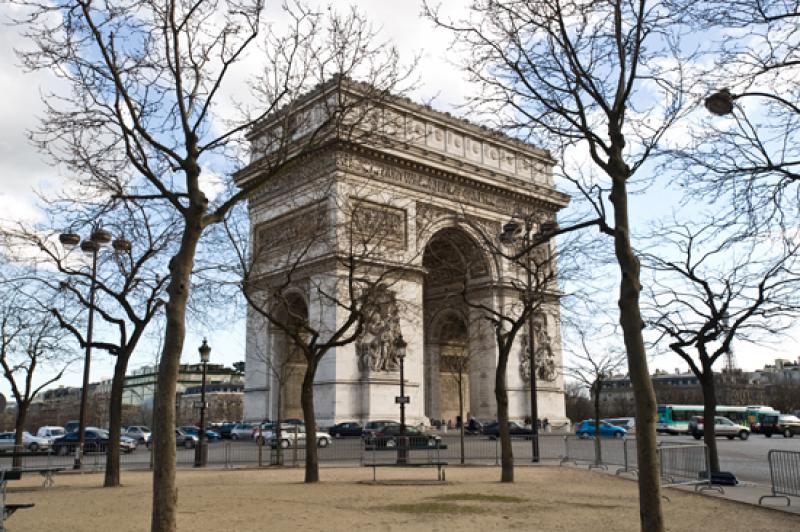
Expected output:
(785, 424)
(515, 429)
(386, 438)
(374, 427)
(346, 429)
(224, 430)
(95, 440)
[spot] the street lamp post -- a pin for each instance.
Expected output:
(98, 239)
(402, 443)
(509, 236)
(201, 452)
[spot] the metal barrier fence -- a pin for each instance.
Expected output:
(784, 472)
(685, 465)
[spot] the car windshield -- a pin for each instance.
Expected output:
(790, 419)
(57, 432)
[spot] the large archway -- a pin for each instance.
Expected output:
(288, 364)
(457, 360)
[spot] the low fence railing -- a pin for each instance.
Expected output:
(784, 472)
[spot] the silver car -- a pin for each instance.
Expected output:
(29, 442)
(722, 427)
(297, 438)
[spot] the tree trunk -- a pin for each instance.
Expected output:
(307, 402)
(115, 420)
(19, 426)
(598, 451)
(501, 396)
(650, 515)
(709, 412)
(165, 492)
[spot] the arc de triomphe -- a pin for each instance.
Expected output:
(434, 185)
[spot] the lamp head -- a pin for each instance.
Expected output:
(510, 231)
(720, 103)
(400, 346)
(69, 240)
(205, 351)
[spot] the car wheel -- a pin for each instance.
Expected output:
(618, 435)
(730, 437)
(323, 442)
(234, 436)
(787, 433)
(33, 447)
(697, 435)
(769, 434)
(188, 444)
(337, 435)
(743, 435)
(583, 435)
(284, 444)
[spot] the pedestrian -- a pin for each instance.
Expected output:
(546, 423)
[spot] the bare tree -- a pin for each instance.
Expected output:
(571, 73)
(590, 366)
(143, 121)
(712, 287)
(31, 344)
(522, 297)
(747, 155)
(129, 284)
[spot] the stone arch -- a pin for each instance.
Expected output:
(454, 262)
(287, 362)
(429, 231)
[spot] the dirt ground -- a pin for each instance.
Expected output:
(543, 498)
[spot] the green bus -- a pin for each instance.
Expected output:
(674, 419)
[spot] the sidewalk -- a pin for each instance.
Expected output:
(749, 493)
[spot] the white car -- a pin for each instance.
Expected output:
(51, 433)
(29, 441)
(297, 438)
(140, 433)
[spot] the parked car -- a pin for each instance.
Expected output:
(72, 426)
(140, 433)
(587, 429)
(785, 424)
(474, 427)
(722, 427)
(387, 438)
(29, 442)
(346, 429)
(95, 440)
(51, 433)
(297, 438)
(211, 435)
(224, 430)
(182, 439)
(242, 431)
(627, 423)
(373, 427)
(515, 429)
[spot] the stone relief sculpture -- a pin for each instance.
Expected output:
(544, 356)
(375, 348)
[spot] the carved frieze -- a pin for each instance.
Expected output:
(377, 224)
(292, 231)
(473, 194)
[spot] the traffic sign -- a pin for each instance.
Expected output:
(402, 400)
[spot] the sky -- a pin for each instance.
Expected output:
(23, 170)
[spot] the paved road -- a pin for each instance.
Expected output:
(746, 459)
